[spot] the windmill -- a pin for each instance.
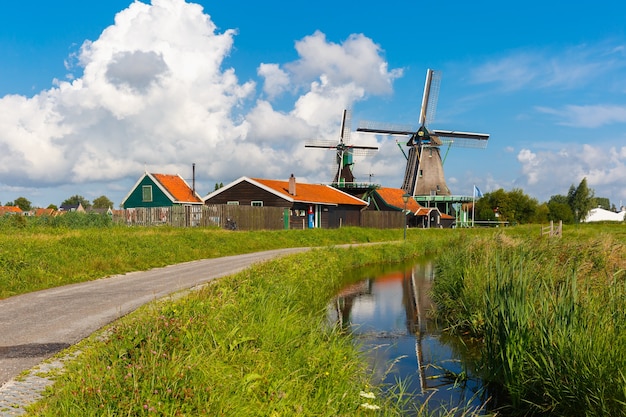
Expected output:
(345, 152)
(424, 175)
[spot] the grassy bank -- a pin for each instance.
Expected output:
(34, 258)
(254, 344)
(551, 316)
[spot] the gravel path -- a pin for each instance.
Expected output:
(35, 326)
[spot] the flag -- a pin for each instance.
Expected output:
(477, 192)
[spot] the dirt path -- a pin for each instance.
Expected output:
(37, 325)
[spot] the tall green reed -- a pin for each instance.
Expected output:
(552, 321)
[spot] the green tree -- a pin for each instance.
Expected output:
(559, 209)
(580, 200)
(490, 206)
(76, 199)
(542, 214)
(102, 202)
(603, 202)
(558, 198)
(22, 202)
(511, 206)
(524, 207)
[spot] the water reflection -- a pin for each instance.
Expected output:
(388, 312)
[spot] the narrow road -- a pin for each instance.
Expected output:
(37, 325)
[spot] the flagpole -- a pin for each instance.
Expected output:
(473, 204)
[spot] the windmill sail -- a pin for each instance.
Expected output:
(345, 152)
(424, 175)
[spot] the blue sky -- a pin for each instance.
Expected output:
(92, 94)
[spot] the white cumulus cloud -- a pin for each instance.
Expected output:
(151, 92)
(553, 172)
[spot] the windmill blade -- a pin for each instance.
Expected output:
(462, 135)
(326, 144)
(385, 128)
(346, 126)
(375, 148)
(430, 97)
(462, 139)
(363, 151)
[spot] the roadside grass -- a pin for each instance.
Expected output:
(38, 257)
(550, 314)
(257, 343)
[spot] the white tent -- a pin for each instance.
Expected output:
(602, 215)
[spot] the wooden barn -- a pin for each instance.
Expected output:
(306, 205)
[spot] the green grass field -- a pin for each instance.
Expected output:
(257, 343)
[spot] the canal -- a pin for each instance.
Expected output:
(388, 310)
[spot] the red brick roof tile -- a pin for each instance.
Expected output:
(178, 188)
(10, 209)
(393, 197)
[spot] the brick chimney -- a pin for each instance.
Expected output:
(292, 185)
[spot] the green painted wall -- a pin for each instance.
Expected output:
(159, 199)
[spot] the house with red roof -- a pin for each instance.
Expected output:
(10, 210)
(161, 190)
(308, 205)
(390, 199)
(158, 195)
(39, 212)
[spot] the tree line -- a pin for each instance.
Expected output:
(102, 202)
(516, 207)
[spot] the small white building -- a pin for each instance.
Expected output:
(601, 215)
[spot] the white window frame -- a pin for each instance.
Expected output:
(145, 190)
(256, 203)
(232, 203)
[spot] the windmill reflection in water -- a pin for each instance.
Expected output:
(390, 310)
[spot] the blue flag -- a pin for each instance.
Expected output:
(477, 192)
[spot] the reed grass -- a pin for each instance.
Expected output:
(551, 317)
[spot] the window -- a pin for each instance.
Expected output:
(421, 173)
(256, 203)
(232, 203)
(146, 193)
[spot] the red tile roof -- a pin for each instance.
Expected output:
(178, 188)
(45, 212)
(10, 209)
(393, 197)
(311, 193)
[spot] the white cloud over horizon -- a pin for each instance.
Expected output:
(604, 169)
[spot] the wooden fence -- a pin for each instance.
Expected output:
(552, 231)
(383, 219)
(225, 216)
(244, 217)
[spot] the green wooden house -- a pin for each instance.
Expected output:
(161, 190)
